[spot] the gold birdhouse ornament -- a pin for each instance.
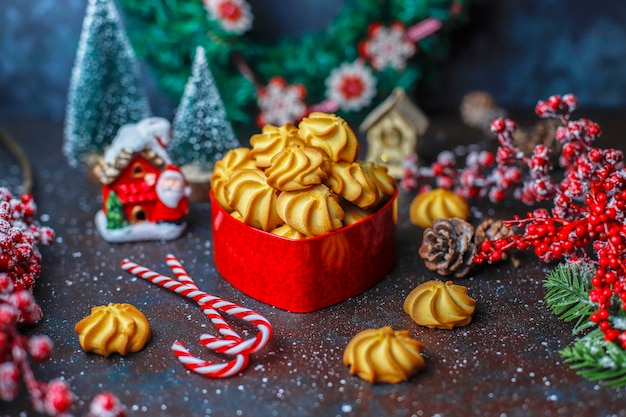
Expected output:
(393, 130)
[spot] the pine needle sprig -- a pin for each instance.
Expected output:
(597, 360)
(567, 294)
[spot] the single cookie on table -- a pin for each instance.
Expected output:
(349, 181)
(249, 193)
(332, 134)
(439, 203)
(272, 140)
(312, 212)
(238, 158)
(114, 328)
(440, 305)
(296, 168)
(384, 355)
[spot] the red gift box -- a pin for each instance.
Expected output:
(308, 274)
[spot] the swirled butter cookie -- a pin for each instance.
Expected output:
(296, 168)
(238, 158)
(378, 174)
(271, 141)
(114, 328)
(312, 212)
(382, 355)
(440, 305)
(331, 134)
(249, 193)
(349, 181)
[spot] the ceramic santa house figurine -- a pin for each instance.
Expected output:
(144, 194)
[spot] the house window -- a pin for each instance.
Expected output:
(138, 170)
(137, 215)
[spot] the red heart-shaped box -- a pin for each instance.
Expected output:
(308, 274)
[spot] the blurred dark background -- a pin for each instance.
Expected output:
(519, 50)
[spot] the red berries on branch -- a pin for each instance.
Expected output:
(20, 266)
(589, 210)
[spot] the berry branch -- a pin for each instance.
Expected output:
(589, 209)
(20, 266)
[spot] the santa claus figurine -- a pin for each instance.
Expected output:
(172, 192)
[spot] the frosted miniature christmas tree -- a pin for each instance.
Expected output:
(202, 133)
(104, 91)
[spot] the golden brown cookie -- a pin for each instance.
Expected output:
(296, 168)
(238, 158)
(440, 305)
(114, 328)
(353, 213)
(439, 203)
(382, 355)
(349, 181)
(312, 212)
(331, 134)
(378, 174)
(249, 193)
(289, 232)
(272, 140)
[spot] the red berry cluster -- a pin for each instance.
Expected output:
(589, 210)
(20, 265)
(485, 174)
(20, 259)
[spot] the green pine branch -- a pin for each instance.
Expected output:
(567, 294)
(597, 360)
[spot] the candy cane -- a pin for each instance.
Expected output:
(223, 327)
(205, 300)
(232, 343)
(209, 369)
(178, 270)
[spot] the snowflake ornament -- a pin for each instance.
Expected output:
(235, 16)
(352, 86)
(387, 47)
(281, 103)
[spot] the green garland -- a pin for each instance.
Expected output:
(166, 33)
(567, 296)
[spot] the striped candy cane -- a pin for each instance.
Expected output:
(205, 300)
(223, 327)
(231, 343)
(206, 368)
(193, 363)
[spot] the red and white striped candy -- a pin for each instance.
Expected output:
(231, 343)
(206, 368)
(223, 327)
(206, 302)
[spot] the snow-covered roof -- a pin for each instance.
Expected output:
(150, 134)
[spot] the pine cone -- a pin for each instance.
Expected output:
(448, 248)
(491, 229)
(542, 133)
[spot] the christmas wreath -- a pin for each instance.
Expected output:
(371, 47)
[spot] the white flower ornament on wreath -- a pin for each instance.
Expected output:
(352, 86)
(280, 102)
(388, 47)
(382, 58)
(235, 16)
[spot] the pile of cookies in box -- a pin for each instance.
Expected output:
(301, 181)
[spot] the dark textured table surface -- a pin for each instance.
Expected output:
(505, 363)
